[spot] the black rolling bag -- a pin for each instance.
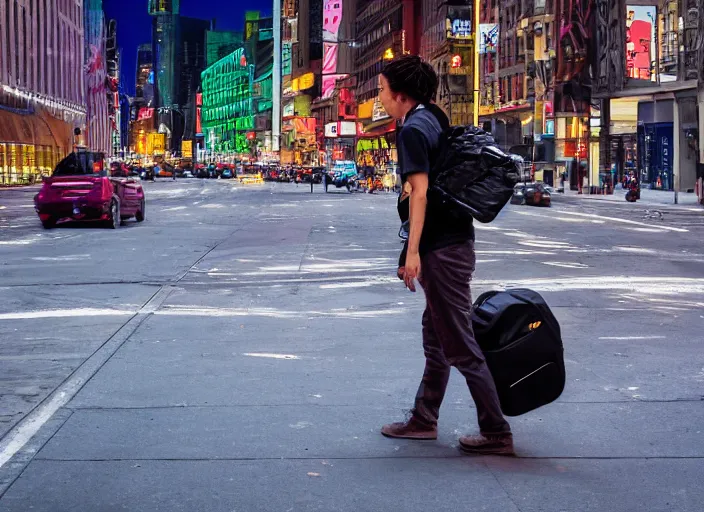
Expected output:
(521, 341)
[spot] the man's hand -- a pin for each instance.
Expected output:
(412, 270)
(401, 272)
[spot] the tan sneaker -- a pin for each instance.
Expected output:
(496, 444)
(411, 429)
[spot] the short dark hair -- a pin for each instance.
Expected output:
(412, 76)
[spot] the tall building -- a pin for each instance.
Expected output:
(220, 43)
(237, 96)
(302, 56)
(228, 109)
(98, 127)
(165, 34)
(334, 109)
(647, 74)
(144, 87)
(42, 95)
(113, 67)
(517, 62)
(178, 51)
(143, 108)
(191, 55)
(447, 43)
(384, 30)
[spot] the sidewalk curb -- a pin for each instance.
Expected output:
(642, 202)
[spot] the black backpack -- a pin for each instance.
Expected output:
(472, 177)
(522, 345)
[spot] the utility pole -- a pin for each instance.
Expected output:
(677, 143)
(276, 81)
(475, 68)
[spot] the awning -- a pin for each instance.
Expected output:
(378, 128)
(38, 128)
(513, 109)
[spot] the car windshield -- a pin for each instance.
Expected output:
(76, 164)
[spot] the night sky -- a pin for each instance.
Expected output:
(134, 23)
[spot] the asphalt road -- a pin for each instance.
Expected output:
(240, 349)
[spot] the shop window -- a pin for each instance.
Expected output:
(3, 165)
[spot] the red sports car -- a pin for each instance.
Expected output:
(80, 190)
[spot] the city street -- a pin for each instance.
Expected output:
(241, 348)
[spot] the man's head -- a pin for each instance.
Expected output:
(406, 82)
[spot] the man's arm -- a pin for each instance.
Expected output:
(418, 203)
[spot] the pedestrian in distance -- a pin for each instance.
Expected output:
(439, 255)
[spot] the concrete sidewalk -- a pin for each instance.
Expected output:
(647, 196)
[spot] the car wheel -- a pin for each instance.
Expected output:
(49, 224)
(114, 220)
(142, 213)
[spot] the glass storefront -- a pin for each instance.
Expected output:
(624, 157)
(25, 164)
(378, 153)
(655, 143)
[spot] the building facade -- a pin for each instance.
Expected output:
(191, 54)
(648, 70)
(143, 108)
(447, 43)
(384, 29)
(165, 34)
(302, 62)
(42, 93)
(219, 44)
(228, 111)
(98, 132)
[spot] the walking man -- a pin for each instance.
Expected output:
(439, 254)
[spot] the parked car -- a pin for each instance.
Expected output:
(80, 189)
(343, 174)
(226, 174)
(531, 194)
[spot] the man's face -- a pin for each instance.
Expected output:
(389, 100)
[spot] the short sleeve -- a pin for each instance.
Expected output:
(414, 151)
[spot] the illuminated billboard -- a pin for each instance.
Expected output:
(329, 84)
(488, 37)
(459, 22)
(332, 18)
(286, 58)
(641, 23)
(330, 58)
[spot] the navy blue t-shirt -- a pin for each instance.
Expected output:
(418, 144)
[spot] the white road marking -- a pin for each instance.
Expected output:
(564, 264)
(640, 250)
(65, 313)
(626, 221)
(170, 310)
(69, 257)
(359, 284)
(270, 356)
(624, 338)
(517, 252)
(563, 219)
